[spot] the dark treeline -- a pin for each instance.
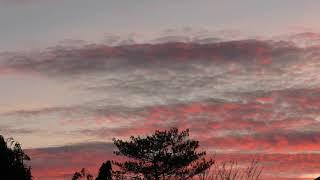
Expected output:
(164, 155)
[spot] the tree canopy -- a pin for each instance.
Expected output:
(12, 161)
(163, 155)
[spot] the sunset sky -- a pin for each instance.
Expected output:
(242, 75)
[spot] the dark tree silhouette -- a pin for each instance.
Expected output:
(105, 171)
(163, 155)
(12, 159)
(82, 174)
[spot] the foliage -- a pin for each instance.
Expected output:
(105, 171)
(12, 160)
(163, 155)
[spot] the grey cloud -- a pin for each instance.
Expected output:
(12, 130)
(96, 58)
(73, 148)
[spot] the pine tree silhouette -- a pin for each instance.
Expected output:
(163, 155)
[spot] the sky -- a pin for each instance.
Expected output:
(242, 75)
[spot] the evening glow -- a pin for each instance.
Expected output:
(242, 76)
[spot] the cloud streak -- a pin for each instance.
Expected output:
(173, 73)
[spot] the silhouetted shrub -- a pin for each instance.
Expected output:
(231, 171)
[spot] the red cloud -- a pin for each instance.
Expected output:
(62, 162)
